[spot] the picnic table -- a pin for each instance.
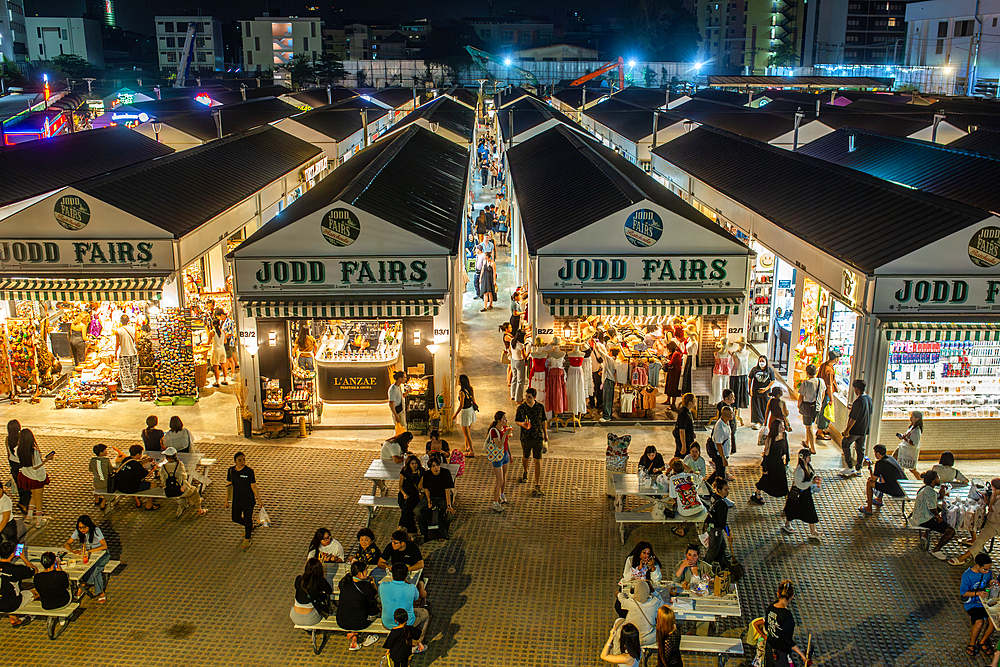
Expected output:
(72, 564)
(336, 571)
(383, 471)
(627, 484)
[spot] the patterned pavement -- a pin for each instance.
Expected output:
(532, 586)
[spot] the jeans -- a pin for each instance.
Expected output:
(609, 398)
(475, 282)
(406, 507)
(717, 547)
(519, 371)
(244, 516)
(859, 449)
(433, 517)
(719, 471)
(95, 575)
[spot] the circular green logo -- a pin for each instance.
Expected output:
(72, 212)
(643, 228)
(984, 247)
(340, 227)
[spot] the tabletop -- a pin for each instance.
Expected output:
(628, 484)
(72, 564)
(336, 571)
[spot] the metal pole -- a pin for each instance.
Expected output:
(795, 136)
(364, 128)
(970, 78)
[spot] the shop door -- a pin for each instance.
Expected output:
(274, 362)
(418, 333)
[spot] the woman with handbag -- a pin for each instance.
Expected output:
(505, 355)
(498, 452)
(799, 504)
(810, 391)
(312, 595)
(466, 412)
(357, 606)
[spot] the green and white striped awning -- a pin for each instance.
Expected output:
(409, 308)
(84, 289)
(919, 332)
(642, 307)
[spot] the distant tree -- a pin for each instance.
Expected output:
(446, 45)
(329, 68)
(301, 69)
(784, 55)
(362, 78)
(70, 65)
(659, 30)
(649, 77)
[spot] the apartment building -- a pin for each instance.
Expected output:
(171, 33)
(270, 42)
(946, 33)
(500, 36)
(13, 32)
(49, 37)
(856, 32)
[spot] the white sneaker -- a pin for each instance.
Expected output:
(497, 507)
(939, 555)
(370, 639)
(503, 497)
(787, 529)
(602, 420)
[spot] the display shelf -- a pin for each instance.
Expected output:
(174, 354)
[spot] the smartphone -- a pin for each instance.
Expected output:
(18, 550)
(52, 453)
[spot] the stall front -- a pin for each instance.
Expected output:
(358, 279)
(938, 343)
(624, 263)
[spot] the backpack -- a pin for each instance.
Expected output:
(494, 448)
(172, 486)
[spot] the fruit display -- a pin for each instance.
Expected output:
(21, 349)
(173, 352)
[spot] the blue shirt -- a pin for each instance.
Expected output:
(974, 581)
(397, 595)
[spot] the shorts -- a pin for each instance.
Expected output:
(230, 351)
(977, 613)
(504, 461)
(936, 525)
(889, 489)
(531, 450)
(26, 599)
(808, 412)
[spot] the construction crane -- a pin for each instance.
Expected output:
(620, 64)
(186, 56)
(481, 57)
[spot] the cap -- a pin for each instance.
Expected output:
(170, 451)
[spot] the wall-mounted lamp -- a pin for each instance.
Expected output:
(433, 348)
(416, 336)
(716, 332)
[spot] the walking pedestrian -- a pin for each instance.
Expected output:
(672, 384)
(228, 327)
(908, 451)
(729, 398)
(128, 355)
(218, 342)
(800, 504)
(484, 172)
(684, 427)
(828, 374)
(716, 446)
(13, 438)
(467, 409)
(773, 480)
(761, 379)
(974, 589)
(498, 452)
(480, 263)
(241, 492)
(779, 625)
(397, 395)
(856, 432)
(717, 524)
(398, 644)
(534, 431)
(668, 639)
(92, 546)
(488, 282)
(927, 514)
(518, 366)
(32, 475)
(810, 391)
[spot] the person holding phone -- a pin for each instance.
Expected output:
(32, 475)
(93, 547)
(13, 570)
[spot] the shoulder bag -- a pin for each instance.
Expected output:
(172, 487)
(493, 446)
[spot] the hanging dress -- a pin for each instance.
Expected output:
(536, 377)
(576, 393)
(555, 388)
(720, 375)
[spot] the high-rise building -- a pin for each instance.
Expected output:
(171, 33)
(958, 35)
(13, 32)
(49, 37)
(270, 42)
(103, 11)
(869, 32)
(744, 35)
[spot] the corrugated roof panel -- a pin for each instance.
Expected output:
(446, 112)
(235, 117)
(983, 142)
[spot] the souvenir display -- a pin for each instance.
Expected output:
(21, 350)
(174, 353)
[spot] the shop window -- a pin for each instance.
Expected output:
(200, 56)
(172, 57)
(843, 326)
(168, 26)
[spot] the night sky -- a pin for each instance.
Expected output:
(138, 15)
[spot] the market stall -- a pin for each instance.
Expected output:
(356, 280)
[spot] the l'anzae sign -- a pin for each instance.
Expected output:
(653, 271)
(933, 294)
(97, 255)
(347, 273)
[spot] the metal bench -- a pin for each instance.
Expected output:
(723, 648)
(328, 625)
(53, 625)
(374, 502)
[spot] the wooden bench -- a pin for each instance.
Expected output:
(723, 648)
(625, 518)
(329, 624)
(374, 502)
(53, 626)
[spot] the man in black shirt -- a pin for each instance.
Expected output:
(531, 418)
(435, 508)
(12, 573)
(131, 475)
(856, 432)
(717, 524)
(52, 585)
(241, 491)
(401, 550)
(884, 479)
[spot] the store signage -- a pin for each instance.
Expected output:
(313, 170)
(643, 228)
(72, 212)
(141, 117)
(353, 382)
(984, 247)
(931, 294)
(347, 273)
(688, 272)
(54, 255)
(340, 227)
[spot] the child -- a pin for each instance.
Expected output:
(399, 644)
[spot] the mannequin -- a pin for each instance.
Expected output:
(691, 347)
(738, 381)
(555, 379)
(721, 370)
(576, 392)
(536, 369)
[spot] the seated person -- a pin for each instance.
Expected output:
(152, 437)
(691, 566)
(325, 548)
(401, 550)
(695, 462)
(357, 602)
(927, 514)
(12, 572)
(652, 462)
(684, 490)
(131, 475)
(312, 595)
(368, 553)
(398, 594)
(640, 610)
(436, 444)
(945, 468)
(436, 507)
(52, 584)
(642, 564)
(884, 479)
(8, 526)
(172, 468)
(100, 467)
